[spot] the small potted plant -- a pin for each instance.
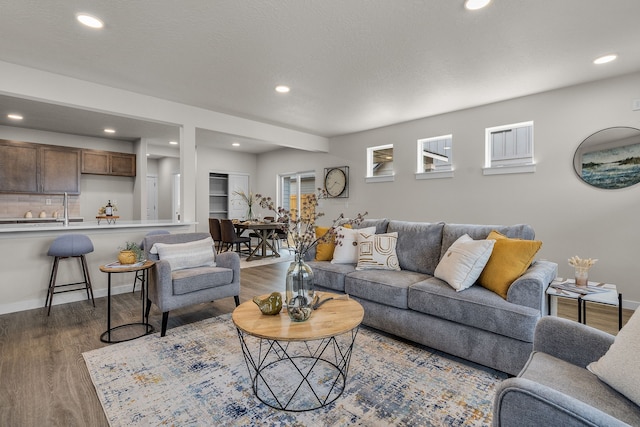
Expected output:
(130, 253)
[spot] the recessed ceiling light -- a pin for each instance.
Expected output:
(236, 144)
(148, 154)
(108, 130)
(604, 59)
(283, 89)
(476, 4)
(173, 142)
(89, 21)
(14, 116)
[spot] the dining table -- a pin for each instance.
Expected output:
(264, 232)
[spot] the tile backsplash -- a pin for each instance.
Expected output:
(17, 205)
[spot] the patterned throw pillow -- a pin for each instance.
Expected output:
(346, 251)
(377, 251)
(463, 262)
(198, 253)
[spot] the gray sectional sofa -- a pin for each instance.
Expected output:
(475, 324)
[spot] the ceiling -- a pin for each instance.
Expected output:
(351, 65)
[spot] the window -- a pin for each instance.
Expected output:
(509, 149)
(435, 157)
(380, 163)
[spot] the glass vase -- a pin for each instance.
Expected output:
(299, 290)
(582, 276)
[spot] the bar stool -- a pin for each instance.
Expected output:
(69, 246)
(140, 273)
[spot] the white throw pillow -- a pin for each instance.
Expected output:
(198, 253)
(377, 251)
(619, 366)
(346, 251)
(463, 262)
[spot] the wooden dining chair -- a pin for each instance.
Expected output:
(231, 238)
(216, 233)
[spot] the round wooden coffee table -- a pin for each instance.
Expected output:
(299, 366)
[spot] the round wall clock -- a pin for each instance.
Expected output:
(335, 181)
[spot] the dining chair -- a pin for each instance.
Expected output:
(231, 238)
(216, 233)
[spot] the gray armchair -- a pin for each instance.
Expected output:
(170, 290)
(555, 388)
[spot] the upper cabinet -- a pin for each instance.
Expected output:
(108, 163)
(38, 169)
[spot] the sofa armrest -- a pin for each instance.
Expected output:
(522, 402)
(529, 289)
(230, 260)
(571, 341)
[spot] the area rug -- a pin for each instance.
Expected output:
(285, 256)
(197, 376)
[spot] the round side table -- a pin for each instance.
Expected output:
(120, 268)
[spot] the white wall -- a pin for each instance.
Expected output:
(569, 216)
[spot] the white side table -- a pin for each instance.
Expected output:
(611, 297)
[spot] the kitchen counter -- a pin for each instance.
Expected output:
(22, 220)
(46, 224)
(26, 267)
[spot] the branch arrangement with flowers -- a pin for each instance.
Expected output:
(249, 199)
(300, 228)
(578, 262)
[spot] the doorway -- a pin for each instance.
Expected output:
(152, 197)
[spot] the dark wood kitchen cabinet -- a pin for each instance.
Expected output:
(100, 162)
(38, 169)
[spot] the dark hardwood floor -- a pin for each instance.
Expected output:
(43, 377)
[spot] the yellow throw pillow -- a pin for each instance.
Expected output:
(509, 260)
(324, 249)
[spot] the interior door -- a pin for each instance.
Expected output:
(152, 197)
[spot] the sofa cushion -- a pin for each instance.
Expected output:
(377, 252)
(418, 246)
(197, 253)
(463, 262)
(382, 286)
(580, 384)
(619, 366)
(509, 260)
(476, 307)
(346, 251)
(451, 232)
(194, 279)
(330, 276)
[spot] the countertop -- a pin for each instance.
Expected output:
(87, 225)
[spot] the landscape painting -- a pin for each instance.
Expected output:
(612, 168)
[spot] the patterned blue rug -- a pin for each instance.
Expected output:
(196, 376)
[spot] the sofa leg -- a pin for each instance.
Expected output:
(237, 298)
(165, 319)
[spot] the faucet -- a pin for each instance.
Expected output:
(66, 210)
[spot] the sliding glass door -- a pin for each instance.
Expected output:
(294, 189)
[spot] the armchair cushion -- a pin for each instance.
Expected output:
(197, 253)
(619, 367)
(194, 279)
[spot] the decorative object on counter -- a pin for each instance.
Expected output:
(43, 214)
(301, 232)
(249, 199)
(271, 305)
(110, 219)
(108, 210)
(582, 267)
(28, 214)
(130, 253)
